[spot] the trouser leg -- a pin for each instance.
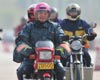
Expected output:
(87, 57)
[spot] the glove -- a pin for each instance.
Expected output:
(65, 38)
(26, 51)
(92, 36)
(32, 56)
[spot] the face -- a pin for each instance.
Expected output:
(53, 16)
(73, 13)
(42, 16)
(31, 15)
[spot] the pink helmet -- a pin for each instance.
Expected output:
(42, 6)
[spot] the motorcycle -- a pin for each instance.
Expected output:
(44, 61)
(77, 64)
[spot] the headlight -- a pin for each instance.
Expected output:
(76, 45)
(45, 55)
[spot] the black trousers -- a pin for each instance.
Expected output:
(24, 69)
(28, 69)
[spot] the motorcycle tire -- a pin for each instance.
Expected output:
(47, 79)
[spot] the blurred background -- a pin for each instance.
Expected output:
(12, 10)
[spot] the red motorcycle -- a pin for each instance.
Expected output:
(44, 60)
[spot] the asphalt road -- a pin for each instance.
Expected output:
(8, 67)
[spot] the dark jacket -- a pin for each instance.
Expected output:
(78, 27)
(35, 31)
(57, 20)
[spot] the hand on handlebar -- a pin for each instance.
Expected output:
(91, 36)
(65, 38)
(32, 56)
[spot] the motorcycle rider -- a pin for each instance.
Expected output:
(23, 21)
(30, 12)
(54, 15)
(40, 29)
(31, 18)
(74, 25)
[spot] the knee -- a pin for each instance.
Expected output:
(59, 67)
(20, 71)
(60, 73)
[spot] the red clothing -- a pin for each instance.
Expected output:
(18, 29)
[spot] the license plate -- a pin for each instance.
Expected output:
(49, 65)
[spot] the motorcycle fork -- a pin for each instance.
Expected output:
(77, 61)
(81, 66)
(80, 62)
(71, 68)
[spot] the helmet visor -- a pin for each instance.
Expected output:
(73, 13)
(42, 10)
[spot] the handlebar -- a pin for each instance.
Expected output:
(90, 30)
(66, 37)
(78, 37)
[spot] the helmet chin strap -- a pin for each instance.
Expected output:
(73, 19)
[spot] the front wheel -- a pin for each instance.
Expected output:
(46, 79)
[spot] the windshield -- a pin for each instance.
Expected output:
(48, 44)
